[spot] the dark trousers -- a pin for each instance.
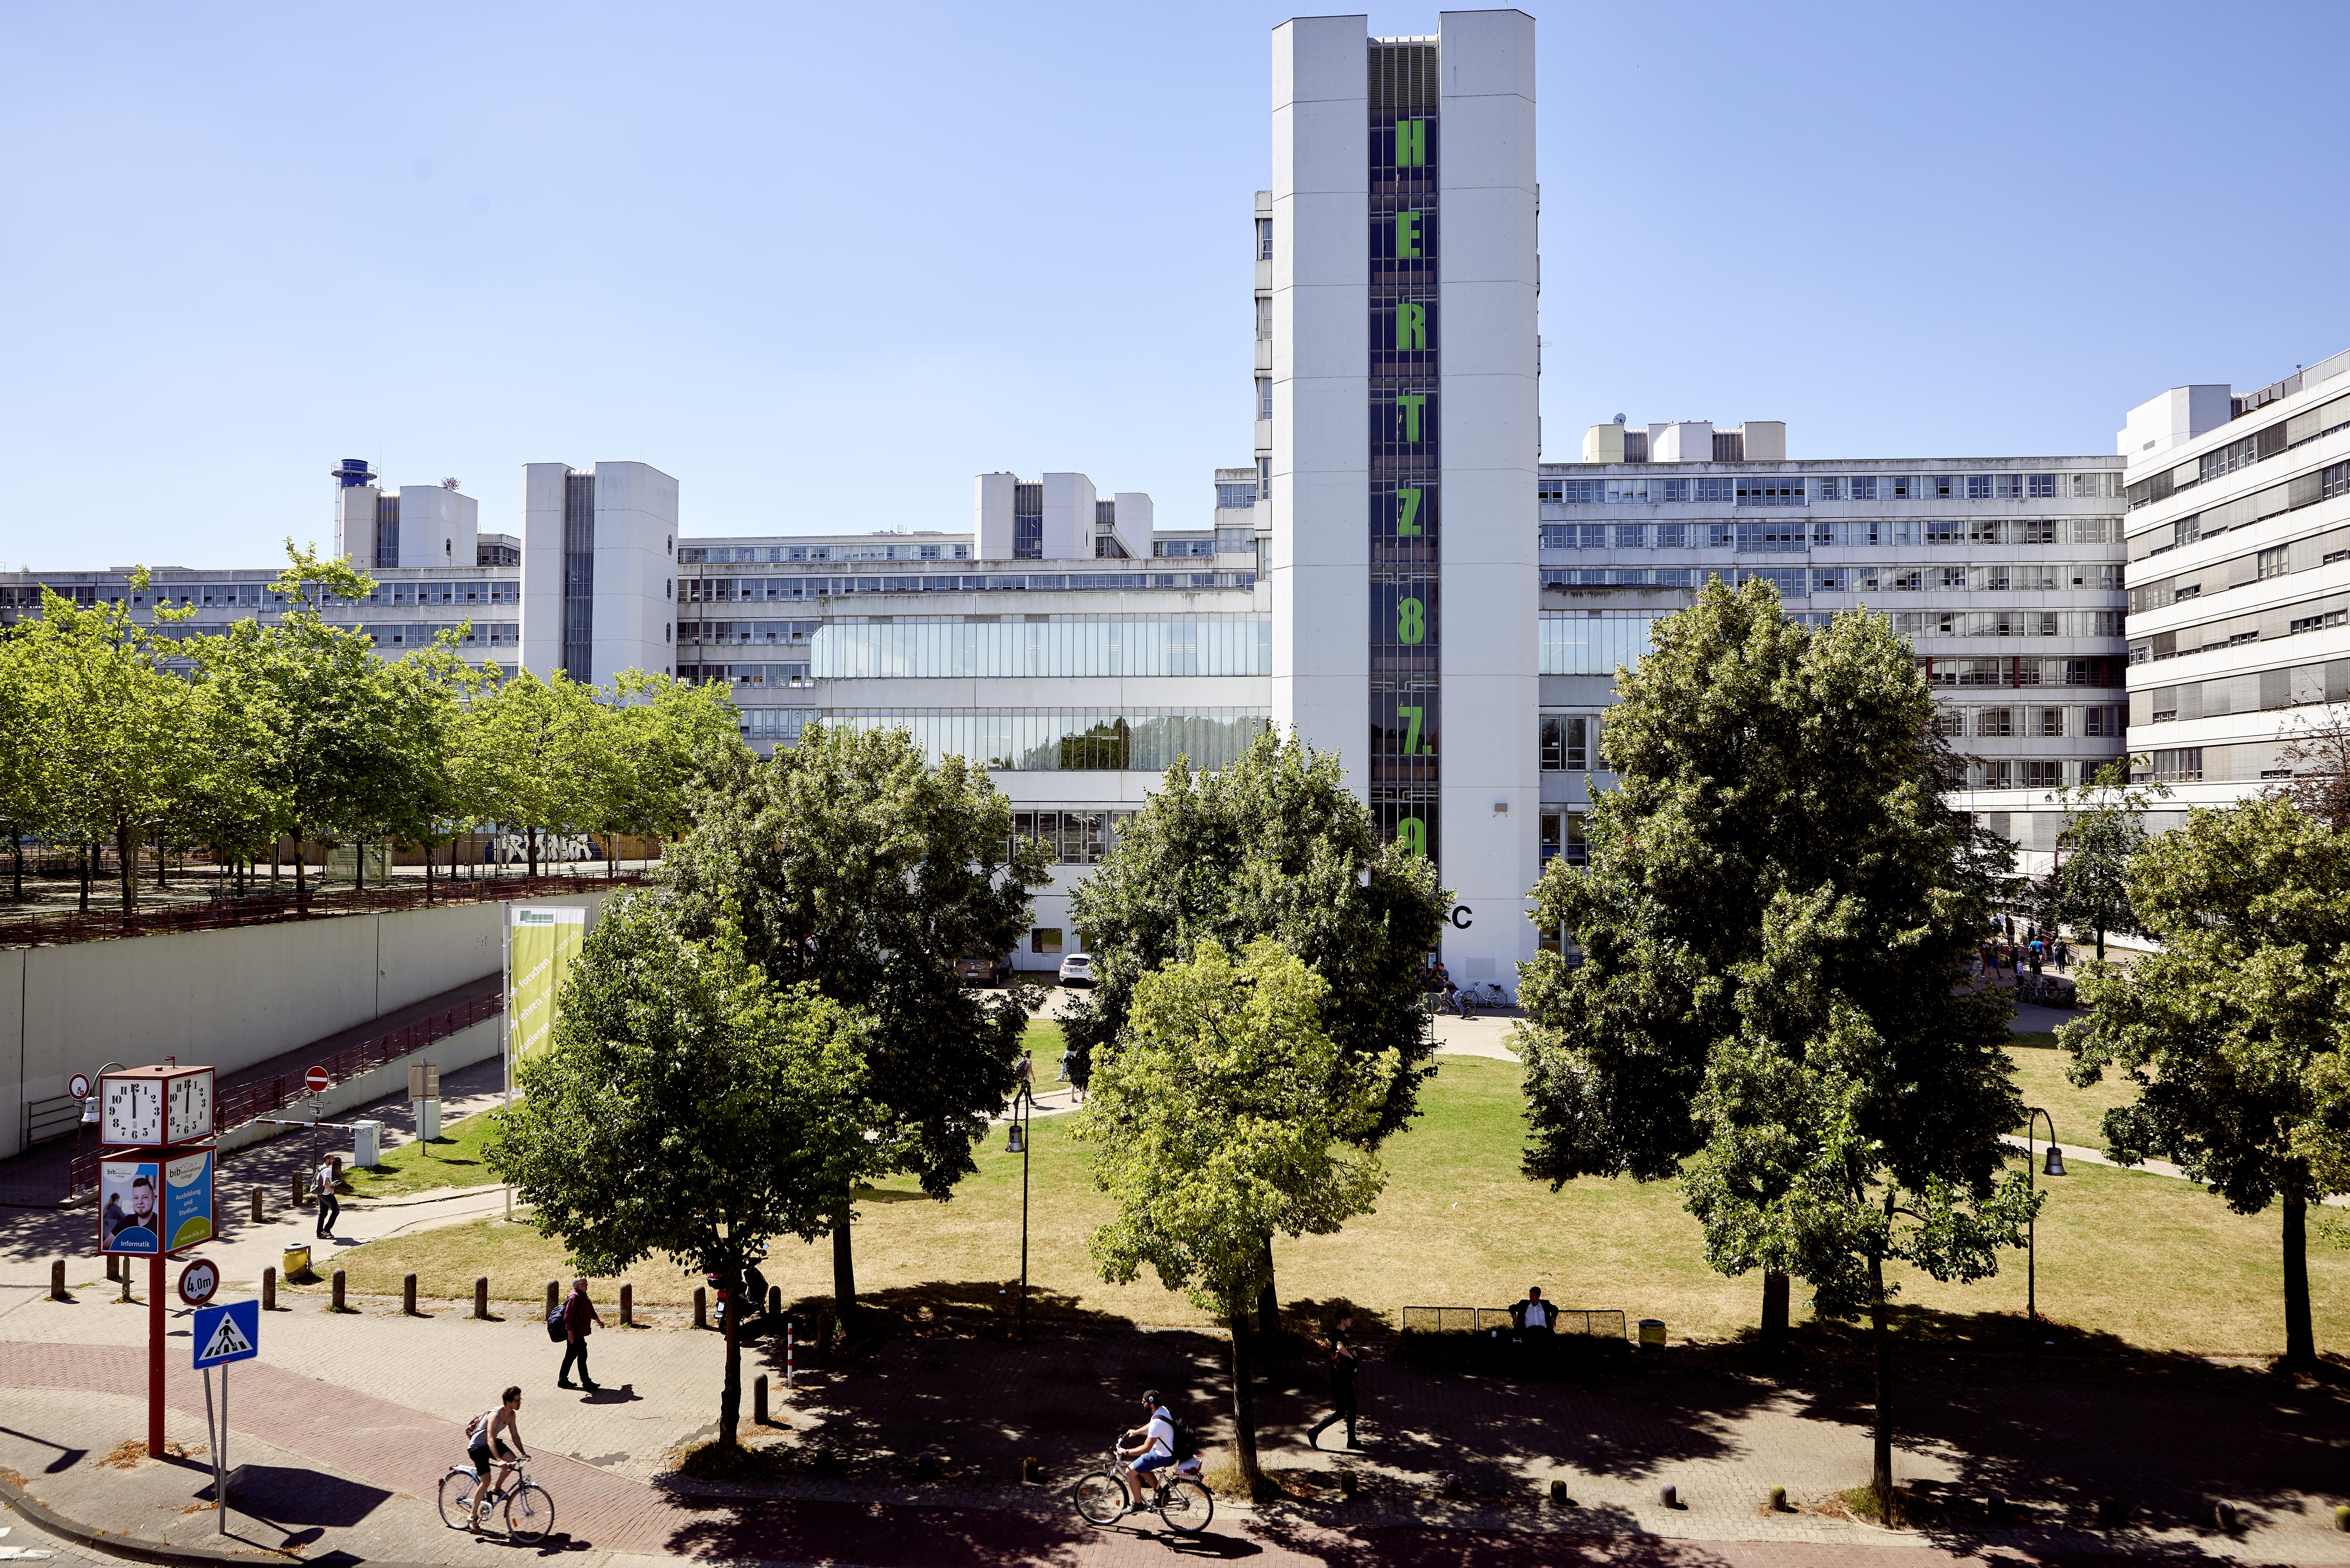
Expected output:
(575, 1351)
(1342, 1397)
(330, 1207)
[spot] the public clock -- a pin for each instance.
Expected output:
(188, 1106)
(131, 1110)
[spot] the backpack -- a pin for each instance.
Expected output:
(1187, 1441)
(555, 1331)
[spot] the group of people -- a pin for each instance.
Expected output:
(1433, 977)
(2005, 953)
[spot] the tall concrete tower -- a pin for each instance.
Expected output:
(1405, 441)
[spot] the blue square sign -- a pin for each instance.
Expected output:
(230, 1331)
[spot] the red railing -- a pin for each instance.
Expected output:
(237, 1105)
(278, 904)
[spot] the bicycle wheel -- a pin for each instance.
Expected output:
(457, 1497)
(530, 1512)
(1099, 1497)
(1186, 1507)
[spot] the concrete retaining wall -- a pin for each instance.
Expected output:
(463, 1049)
(230, 998)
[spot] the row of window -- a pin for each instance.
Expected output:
(2008, 623)
(2032, 772)
(724, 590)
(2272, 440)
(2259, 691)
(2234, 631)
(1806, 534)
(2051, 723)
(719, 555)
(1071, 837)
(2257, 568)
(2302, 490)
(2102, 672)
(1797, 490)
(747, 674)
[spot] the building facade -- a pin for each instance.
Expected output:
(2239, 539)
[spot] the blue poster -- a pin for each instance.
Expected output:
(130, 1206)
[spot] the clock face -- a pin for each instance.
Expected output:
(131, 1111)
(189, 1104)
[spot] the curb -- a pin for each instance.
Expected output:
(139, 1549)
(363, 1206)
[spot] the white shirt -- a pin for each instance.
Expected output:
(1537, 1314)
(1159, 1438)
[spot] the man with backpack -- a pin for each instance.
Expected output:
(1149, 1446)
(578, 1318)
(1342, 1383)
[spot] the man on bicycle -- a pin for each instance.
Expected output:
(482, 1437)
(1148, 1447)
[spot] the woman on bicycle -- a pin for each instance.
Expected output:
(1148, 1447)
(482, 1436)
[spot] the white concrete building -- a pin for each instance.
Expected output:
(599, 570)
(416, 527)
(2239, 526)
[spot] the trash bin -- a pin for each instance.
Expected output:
(428, 1119)
(367, 1144)
(1652, 1332)
(295, 1263)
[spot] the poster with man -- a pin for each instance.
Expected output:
(541, 942)
(128, 1207)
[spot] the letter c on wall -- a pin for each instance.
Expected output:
(1461, 918)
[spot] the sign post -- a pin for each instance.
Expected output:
(155, 1193)
(223, 1334)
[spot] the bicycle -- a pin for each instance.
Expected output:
(529, 1508)
(1182, 1503)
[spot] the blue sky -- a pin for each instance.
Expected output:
(824, 264)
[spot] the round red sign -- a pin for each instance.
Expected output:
(198, 1281)
(317, 1080)
(79, 1088)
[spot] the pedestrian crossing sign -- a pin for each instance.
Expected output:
(230, 1331)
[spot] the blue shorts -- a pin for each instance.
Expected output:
(1152, 1462)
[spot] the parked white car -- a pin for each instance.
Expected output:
(1077, 969)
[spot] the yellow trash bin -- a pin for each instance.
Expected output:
(1652, 1329)
(297, 1262)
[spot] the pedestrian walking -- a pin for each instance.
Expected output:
(1081, 1070)
(579, 1320)
(1068, 1054)
(1343, 1367)
(330, 1207)
(2039, 953)
(2063, 955)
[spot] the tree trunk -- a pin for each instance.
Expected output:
(844, 1273)
(2300, 1341)
(358, 864)
(89, 854)
(730, 1403)
(123, 857)
(301, 883)
(162, 865)
(2101, 944)
(531, 841)
(1245, 1401)
(1880, 1468)
(1775, 1311)
(428, 873)
(1268, 1301)
(16, 842)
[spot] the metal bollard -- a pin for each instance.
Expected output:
(628, 1306)
(57, 1280)
(482, 1296)
(700, 1307)
(553, 1295)
(256, 1206)
(269, 1288)
(301, 1190)
(759, 1400)
(408, 1295)
(337, 1305)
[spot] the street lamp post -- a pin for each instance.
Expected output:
(1024, 1107)
(2033, 1116)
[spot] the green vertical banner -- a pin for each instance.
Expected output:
(541, 942)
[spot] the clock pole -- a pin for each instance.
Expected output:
(154, 1351)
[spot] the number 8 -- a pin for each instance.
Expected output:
(1411, 621)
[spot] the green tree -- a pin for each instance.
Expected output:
(1273, 846)
(27, 777)
(1763, 765)
(1228, 1115)
(675, 738)
(688, 1108)
(540, 754)
(2233, 1029)
(2088, 890)
(855, 867)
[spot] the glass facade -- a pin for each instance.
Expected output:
(1027, 522)
(387, 530)
(1078, 645)
(1405, 450)
(1066, 740)
(1592, 643)
(578, 575)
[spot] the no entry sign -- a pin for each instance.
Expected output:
(317, 1080)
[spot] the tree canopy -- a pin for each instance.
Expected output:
(1227, 1116)
(2233, 1029)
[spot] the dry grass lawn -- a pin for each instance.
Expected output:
(2147, 1259)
